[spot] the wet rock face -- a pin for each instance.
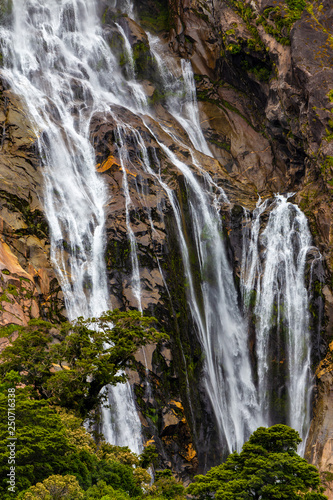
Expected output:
(280, 79)
(265, 109)
(320, 442)
(147, 212)
(29, 288)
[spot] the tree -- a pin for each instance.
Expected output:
(103, 491)
(149, 457)
(55, 488)
(41, 447)
(267, 468)
(71, 365)
(52, 442)
(166, 486)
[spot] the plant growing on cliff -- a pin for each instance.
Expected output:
(267, 468)
(69, 366)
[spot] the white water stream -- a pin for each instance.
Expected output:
(274, 265)
(57, 60)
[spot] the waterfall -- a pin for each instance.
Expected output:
(56, 59)
(58, 62)
(274, 270)
(220, 325)
(212, 295)
(181, 97)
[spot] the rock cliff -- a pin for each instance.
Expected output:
(266, 66)
(29, 287)
(264, 81)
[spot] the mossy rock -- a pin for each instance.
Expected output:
(6, 9)
(34, 219)
(144, 62)
(153, 15)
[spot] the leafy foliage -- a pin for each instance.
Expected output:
(53, 443)
(72, 366)
(104, 491)
(77, 435)
(121, 454)
(41, 446)
(58, 374)
(55, 488)
(167, 486)
(148, 457)
(267, 468)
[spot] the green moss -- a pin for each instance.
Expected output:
(250, 299)
(201, 15)
(296, 5)
(117, 254)
(280, 22)
(6, 331)
(329, 136)
(247, 14)
(327, 476)
(34, 219)
(275, 21)
(329, 161)
(261, 71)
(5, 271)
(154, 16)
(233, 48)
(243, 9)
(144, 62)
(161, 96)
(12, 290)
(223, 145)
(28, 294)
(110, 15)
(104, 15)
(4, 298)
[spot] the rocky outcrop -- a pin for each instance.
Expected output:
(320, 442)
(269, 65)
(29, 287)
(264, 85)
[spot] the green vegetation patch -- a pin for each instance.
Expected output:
(154, 15)
(278, 22)
(72, 372)
(54, 372)
(268, 467)
(34, 219)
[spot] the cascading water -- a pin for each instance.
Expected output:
(55, 68)
(214, 306)
(219, 322)
(274, 266)
(181, 97)
(57, 60)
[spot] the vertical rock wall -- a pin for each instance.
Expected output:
(264, 87)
